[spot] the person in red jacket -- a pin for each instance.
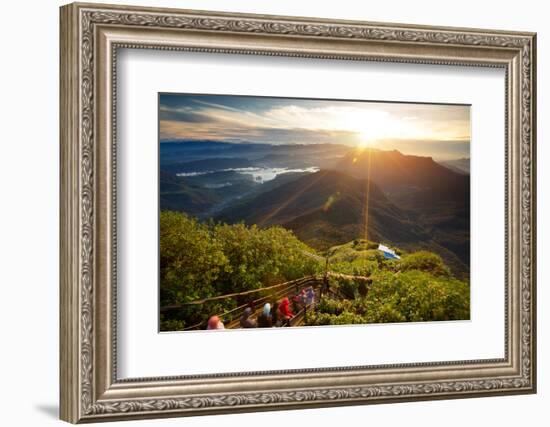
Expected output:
(285, 311)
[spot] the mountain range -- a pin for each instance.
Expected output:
(413, 201)
(461, 166)
(436, 196)
(325, 207)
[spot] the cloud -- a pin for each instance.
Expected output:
(183, 116)
(419, 127)
(175, 130)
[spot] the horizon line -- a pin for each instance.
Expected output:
(435, 158)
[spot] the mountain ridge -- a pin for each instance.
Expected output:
(413, 200)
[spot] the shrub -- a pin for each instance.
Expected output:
(259, 257)
(345, 318)
(333, 306)
(410, 296)
(417, 296)
(172, 325)
(424, 261)
(359, 267)
(349, 288)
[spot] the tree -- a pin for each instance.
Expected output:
(201, 260)
(190, 263)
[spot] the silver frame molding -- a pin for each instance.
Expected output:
(90, 37)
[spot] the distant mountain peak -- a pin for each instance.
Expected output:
(461, 166)
(393, 170)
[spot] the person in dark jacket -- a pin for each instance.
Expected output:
(310, 296)
(275, 317)
(246, 321)
(265, 320)
(300, 299)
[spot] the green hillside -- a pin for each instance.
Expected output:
(417, 287)
(201, 260)
(175, 194)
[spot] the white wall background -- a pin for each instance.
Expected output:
(29, 171)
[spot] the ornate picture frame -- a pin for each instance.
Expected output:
(91, 34)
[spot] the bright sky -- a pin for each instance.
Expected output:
(440, 131)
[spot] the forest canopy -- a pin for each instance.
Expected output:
(200, 260)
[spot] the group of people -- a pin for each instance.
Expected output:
(279, 314)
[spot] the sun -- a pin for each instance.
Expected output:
(364, 143)
(366, 139)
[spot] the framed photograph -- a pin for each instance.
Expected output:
(267, 212)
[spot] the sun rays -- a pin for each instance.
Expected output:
(292, 198)
(367, 196)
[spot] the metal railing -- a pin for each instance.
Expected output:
(275, 293)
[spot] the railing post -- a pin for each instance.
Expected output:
(324, 287)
